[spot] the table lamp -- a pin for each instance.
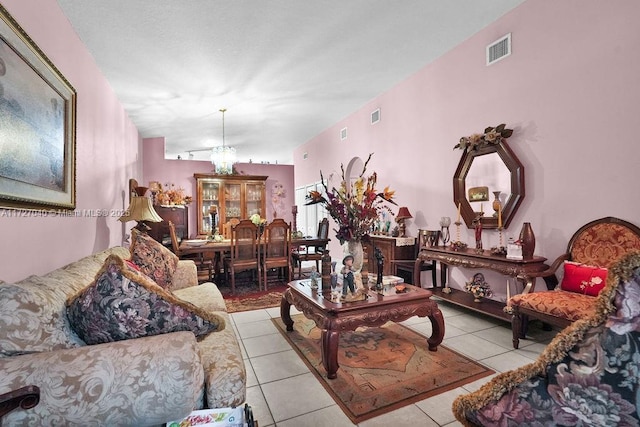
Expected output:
(403, 214)
(140, 210)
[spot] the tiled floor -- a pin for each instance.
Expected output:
(284, 393)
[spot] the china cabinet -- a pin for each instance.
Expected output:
(178, 215)
(233, 196)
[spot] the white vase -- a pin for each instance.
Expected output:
(354, 248)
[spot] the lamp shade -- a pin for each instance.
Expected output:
(140, 209)
(403, 213)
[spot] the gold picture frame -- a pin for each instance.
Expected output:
(37, 126)
(479, 194)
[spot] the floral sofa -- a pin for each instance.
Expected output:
(588, 375)
(142, 381)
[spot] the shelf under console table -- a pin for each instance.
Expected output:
(469, 258)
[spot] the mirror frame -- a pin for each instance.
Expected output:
(517, 185)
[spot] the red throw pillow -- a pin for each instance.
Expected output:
(583, 279)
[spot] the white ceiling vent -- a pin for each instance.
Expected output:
(375, 117)
(343, 134)
(499, 49)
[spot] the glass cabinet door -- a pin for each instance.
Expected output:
(232, 205)
(210, 206)
(254, 195)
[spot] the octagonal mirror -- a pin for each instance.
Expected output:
(484, 175)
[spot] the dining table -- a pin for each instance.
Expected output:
(215, 250)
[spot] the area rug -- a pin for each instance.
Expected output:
(245, 301)
(381, 369)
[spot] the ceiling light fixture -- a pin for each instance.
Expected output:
(223, 157)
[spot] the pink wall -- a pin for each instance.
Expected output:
(180, 173)
(569, 90)
(107, 155)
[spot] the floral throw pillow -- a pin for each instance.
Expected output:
(123, 303)
(153, 258)
(583, 279)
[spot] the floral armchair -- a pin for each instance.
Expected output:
(591, 250)
(588, 374)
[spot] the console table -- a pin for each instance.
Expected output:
(519, 269)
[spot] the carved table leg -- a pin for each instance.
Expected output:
(285, 305)
(329, 347)
(437, 326)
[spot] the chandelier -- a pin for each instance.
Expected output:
(223, 157)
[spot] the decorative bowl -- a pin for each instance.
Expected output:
(400, 288)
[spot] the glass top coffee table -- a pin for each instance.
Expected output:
(332, 318)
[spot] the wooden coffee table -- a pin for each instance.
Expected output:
(376, 310)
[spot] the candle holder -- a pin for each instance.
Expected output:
(294, 222)
(500, 249)
(445, 222)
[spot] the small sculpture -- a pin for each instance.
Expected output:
(477, 222)
(314, 275)
(348, 280)
(380, 265)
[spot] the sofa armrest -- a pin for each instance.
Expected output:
(135, 382)
(25, 398)
(186, 275)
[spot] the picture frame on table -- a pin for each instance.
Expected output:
(37, 126)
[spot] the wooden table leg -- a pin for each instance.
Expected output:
(329, 348)
(285, 315)
(437, 327)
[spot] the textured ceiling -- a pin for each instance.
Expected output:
(285, 70)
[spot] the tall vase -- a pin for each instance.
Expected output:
(528, 240)
(354, 248)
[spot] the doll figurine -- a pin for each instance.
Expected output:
(348, 281)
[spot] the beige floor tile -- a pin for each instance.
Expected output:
(439, 407)
(250, 316)
(500, 335)
(331, 416)
(256, 329)
(506, 362)
(259, 406)
(252, 380)
(407, 416)
(473, 386)
(470, 323)
(532, 350)
(295, 396)
(473, 347)
(265, 344)
(278, 366)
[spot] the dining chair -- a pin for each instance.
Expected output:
(228, 226)
(245, 252)
(311, 253)
(202, 263)
(277, 248)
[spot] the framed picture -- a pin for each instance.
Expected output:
(479, 194)
(37, 126)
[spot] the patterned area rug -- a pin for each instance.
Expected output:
(252, 300)
(381, 369)
(248, 297)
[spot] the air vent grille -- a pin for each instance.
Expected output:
(499, 49)
(305, 156)
(375, 117)
(343, 134)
